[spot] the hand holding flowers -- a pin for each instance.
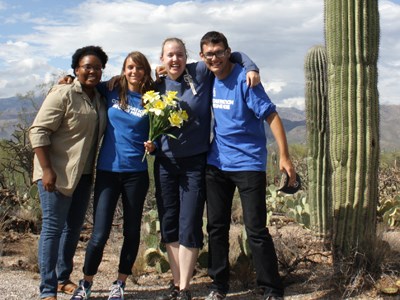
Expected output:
(164, 113)
(149, 146)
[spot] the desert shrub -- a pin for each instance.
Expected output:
(297, 246)
(21, 214)
(16, 161)
(389, 191)
(390, 159)
(362, 271)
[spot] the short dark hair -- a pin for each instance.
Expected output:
(213, 37)
(88, 50)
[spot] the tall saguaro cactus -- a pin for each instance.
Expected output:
(352, 43)
(317, 127)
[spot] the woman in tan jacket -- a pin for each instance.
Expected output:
(64, 136)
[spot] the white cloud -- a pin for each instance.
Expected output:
(274, 87)
(297, 102)
(275, 34)
(30, 64)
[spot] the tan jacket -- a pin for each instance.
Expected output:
(67, 122)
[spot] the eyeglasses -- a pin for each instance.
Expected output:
(89, 68)
(218, 54)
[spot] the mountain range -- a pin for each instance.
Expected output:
(294, 121)
(16, 110)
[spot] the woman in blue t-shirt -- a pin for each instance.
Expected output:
(120, 172)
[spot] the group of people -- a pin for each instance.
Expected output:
(190, 171)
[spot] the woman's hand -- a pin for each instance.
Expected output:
(252, 78)
(49, 179)
(149, 146)
(160, 71)
(68, 79)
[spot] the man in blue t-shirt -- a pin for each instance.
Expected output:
(237, 158)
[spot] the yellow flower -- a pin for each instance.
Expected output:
(158, 107)
(151, 96)
(184, 115)
(164, 113)
(175, 119)
(170, 98)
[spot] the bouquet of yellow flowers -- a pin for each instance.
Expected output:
(164, 113)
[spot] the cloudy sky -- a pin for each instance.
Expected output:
(38, 37)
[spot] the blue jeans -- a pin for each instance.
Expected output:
(132, 186)
(180, 194)
(252, 190)
(62, 220)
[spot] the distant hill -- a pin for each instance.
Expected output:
(13, 111)
(390, 127)
(294, 121)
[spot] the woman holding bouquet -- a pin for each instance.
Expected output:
(179, 167)
(120, 172)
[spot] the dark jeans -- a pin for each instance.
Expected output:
(180, 193)
(109, 186)
(252, 189)
(62, 220)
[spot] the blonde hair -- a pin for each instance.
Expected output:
(173, 39)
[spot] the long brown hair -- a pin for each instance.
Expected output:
(146, 84)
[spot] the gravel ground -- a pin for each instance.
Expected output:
(20, 282)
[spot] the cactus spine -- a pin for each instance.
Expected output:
(317, 122)
(352, 43)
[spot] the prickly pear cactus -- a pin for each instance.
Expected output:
(352, 43)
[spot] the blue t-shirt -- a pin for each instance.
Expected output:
(122, 148)
(239, 142)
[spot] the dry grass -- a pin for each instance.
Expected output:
(373, 270)
(303, 257)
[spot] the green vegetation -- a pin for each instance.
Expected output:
(352, 44)
(317, 139)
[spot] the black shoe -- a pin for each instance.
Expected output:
(273, 298)
(184, 295)
(170, 294)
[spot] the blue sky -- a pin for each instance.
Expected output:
(38, 37)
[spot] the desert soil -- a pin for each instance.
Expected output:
(20, 280)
